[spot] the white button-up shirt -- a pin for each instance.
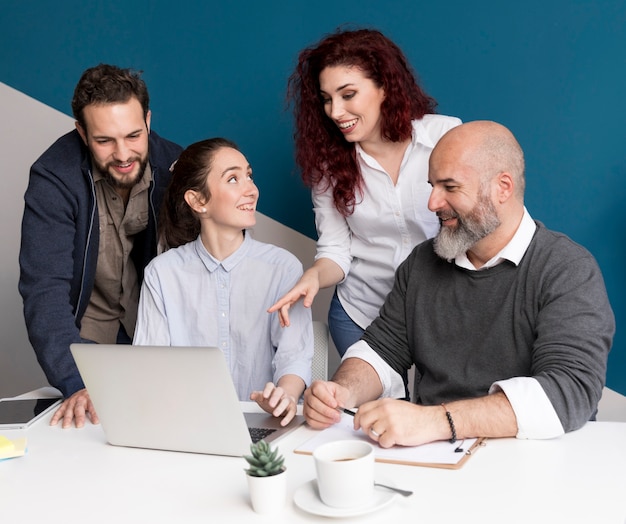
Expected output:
(388, 222)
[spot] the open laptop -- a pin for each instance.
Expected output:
(171, 398)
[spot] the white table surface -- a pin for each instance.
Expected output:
(73, 475)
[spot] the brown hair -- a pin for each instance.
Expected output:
(107, 84)
(178, 223)
(322, 153)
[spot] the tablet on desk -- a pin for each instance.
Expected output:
(21, 413)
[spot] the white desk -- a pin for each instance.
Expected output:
(73, 475)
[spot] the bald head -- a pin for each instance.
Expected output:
(477, 174)
(488, 148)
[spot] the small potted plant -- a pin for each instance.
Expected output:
(267, 480)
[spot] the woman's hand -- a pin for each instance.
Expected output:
(276, 401)
(324, 273)
(308, 286)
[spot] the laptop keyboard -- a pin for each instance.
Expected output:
(260, 433)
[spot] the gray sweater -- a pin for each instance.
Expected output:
(548, 318)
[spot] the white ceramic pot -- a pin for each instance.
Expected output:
(268, 494)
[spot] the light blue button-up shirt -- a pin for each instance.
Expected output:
(189, 298)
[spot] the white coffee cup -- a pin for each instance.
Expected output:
(345, 473)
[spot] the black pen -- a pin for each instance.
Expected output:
(346, 411)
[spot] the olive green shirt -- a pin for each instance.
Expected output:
(115, 295)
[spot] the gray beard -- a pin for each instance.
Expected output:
(480, 222)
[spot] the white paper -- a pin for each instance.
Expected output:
(440, 452)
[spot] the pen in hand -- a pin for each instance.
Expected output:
(346, 411)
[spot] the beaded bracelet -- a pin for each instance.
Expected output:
(451, 422)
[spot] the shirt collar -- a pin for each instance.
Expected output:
(419, 135)
(211, 263)
(513, 252)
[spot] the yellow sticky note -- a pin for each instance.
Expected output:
(12, 448)
(6, 445)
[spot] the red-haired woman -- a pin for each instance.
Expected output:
(364, 133)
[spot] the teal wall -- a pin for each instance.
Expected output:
(552, 71)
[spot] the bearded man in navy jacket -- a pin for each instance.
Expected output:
(90, 227)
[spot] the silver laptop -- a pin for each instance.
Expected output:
(171, 398)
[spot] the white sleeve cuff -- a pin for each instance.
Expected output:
(536, 417)
(393, 385)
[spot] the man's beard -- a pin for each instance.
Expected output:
(123, 184)
(481, 221)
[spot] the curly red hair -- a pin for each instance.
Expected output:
(324, 156)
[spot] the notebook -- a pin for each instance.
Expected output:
(170, 398)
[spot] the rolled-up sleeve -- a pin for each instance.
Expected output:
(536, 417)
(393, 385)
(332, 230)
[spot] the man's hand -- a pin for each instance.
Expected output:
(321, 401)
(75, 408)
(392, 422)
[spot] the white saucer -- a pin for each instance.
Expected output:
(307, 498)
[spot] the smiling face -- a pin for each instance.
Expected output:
(234, 195)
(462, 199)
(352, 101)
(117, 138)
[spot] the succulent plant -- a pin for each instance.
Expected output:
(264, 462)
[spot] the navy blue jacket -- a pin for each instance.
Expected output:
(59, 248)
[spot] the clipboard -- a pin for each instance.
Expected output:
(440, 454)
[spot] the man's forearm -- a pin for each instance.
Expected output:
(490, 416)
(360, 379)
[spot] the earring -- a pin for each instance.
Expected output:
(203, 210)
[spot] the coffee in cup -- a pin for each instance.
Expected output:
(345, 473)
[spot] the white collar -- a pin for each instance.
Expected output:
(513, 251)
